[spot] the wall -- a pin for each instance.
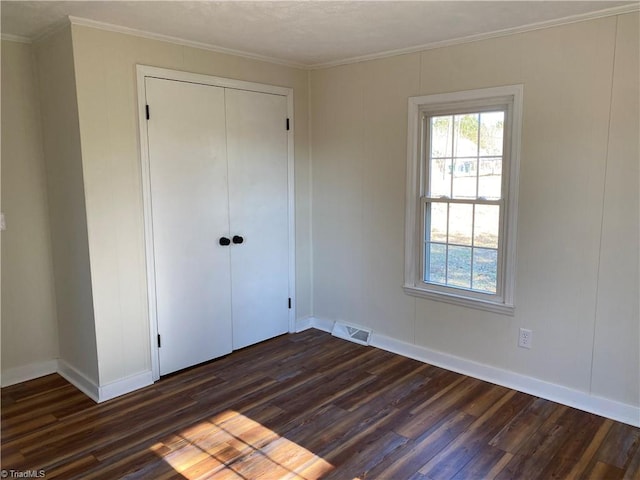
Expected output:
(577, 276)
(106, 88)
(66, 198)
(577, 246)
(29, 329)
(616, 353)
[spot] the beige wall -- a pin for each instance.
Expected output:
(106, 88)
(577, 270)
(577, 275)
(616, 353)
(29, 330)
(66, 197)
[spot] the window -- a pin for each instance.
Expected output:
(462, 172)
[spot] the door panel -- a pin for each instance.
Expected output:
(258, 206)
(188, 169)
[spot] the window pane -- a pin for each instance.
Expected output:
(440, 177)
(485, 269)
(441, 136)
(435, 263)
(491, 133)
(459, 266)
(487, 226)
(464, 177)
(465, 141)
(436, 222)
(460, 223)
(490, 181)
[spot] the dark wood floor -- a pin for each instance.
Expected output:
(310, 406)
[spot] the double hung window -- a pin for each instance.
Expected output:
(462, 192)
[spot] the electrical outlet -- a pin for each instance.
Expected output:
(526, 336)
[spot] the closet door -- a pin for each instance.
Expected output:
(190, 211)
(258, 206)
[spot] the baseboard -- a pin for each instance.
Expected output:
(322, 324)
(76, 378)
(11, 376)
(303, 324)
(124, 386)
(79, 380)
(605, 407)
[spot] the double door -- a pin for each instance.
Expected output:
(219, 210)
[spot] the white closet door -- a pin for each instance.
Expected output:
(189, 201)
(257, 154)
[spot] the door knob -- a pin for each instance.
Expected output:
(237, 239)
(224, 241)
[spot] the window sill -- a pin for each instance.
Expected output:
(460, 300)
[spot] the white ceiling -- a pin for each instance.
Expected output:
(306, 33)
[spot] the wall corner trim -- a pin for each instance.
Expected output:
(78, 380)
(124, 386)
(322, 324)
(303, 324)
(622, 412)
(106, 392)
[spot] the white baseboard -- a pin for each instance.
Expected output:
(605, 407)
(125, 385)
(104, 392)
(11, 376)
(322, 324)
(303, 324)
(79, 380)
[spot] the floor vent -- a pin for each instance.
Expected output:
(354, 334)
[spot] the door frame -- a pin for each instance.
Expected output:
(144, 71)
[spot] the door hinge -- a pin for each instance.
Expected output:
(146, 108)
(289, 302)
(159, 342)
(287, 124)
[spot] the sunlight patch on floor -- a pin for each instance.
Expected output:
(232, 445)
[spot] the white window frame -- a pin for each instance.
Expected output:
(451, 103)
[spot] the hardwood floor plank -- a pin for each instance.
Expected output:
(536, 452)
(26, 424)
(375, 453)
(488, 459)
(588, 455)
(623, 441)
(571, 451)
(480, 404)
(407, 460)
(393, 383)
(75, 467)
(457, 454)
(42, 402)
(632, 470)
(523, 426)
(604, 471)
(310, 406)
(441, 404)
(498, 467)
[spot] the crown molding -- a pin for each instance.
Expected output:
(620, 10)
(85, 22)
(72, 20)
(15, 38)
